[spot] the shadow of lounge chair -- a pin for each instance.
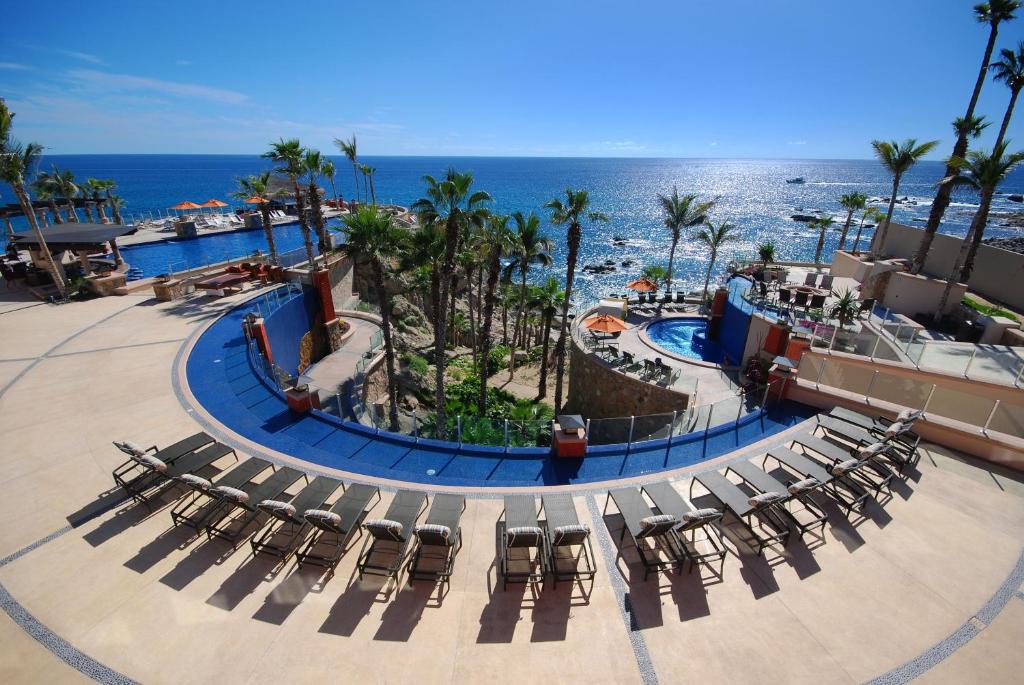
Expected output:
(519, 529)
(694, 528)
(771, 525)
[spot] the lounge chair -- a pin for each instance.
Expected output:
(287, 525)
(810, 514)
(867, 305)
(239, 508)
(519, 529)
(745, 508)
(901, 435)
(133, 467)
(847, 493)
(692, 522)
(810, 279)
(643, 524)
(568, 540)
(835, 456)
(141, 489)
(334, 528)
(438, 539)
(192, 510)
(902, 443)
(826, 282)
(388, 538)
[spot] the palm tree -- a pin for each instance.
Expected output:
(116, 203)
(992, 13)
(851, 202)
(314, 164)
(572, 211)
(372, 237)
(95, 186)
(766, 252)
(329, 171)
(983, 173)
(258, 188)
(714, 237)
(869, 214)
(368, 172)
(1010, 70)
(495, 241)
(529, 246)
(450, 202)
(65, 186)
(348, 148)
(823, 223)
(845, 307)
(17, 160)
(655, 273)
(45, 189)
(898, 158)
(548, 298)
(679, 213)
(289, 155)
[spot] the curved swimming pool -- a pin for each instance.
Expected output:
(686, 337)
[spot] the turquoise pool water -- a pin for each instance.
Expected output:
(685, 337)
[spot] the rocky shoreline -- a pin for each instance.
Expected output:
(1012, 244)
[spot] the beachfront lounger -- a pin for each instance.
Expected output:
(811, 515)
(826, 282)
(132, 467)
(387, 542)
(903, 435)
(901, 448)
(238, 509)
(694, 528)
(192, 510)
(568, 540)
(834, 455)
(519, 529)
(773, 526)
(643, 524)
(334, 528)
(810, 279)
(287, 525)
(847, 493)
(438, 539)
(141, 489)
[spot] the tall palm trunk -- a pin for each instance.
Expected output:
(707, 278)
(114, 210)
(355, 178)
(542, 384)
(942, 196)
(373, 192)
(55, 211)
(26, 208)
(268, 232)
(504, 323)
(878, 240)
(451, 244)
(968, 268)
(860, 228)
(318, 220)
(100, 211)
(472, 316)
(451, 309)
(519, 334)
(389, 347)
(977, 226)
(671, 260)
(846, 228)
(88, 211)
(575, 234)
(300, 208)
(820, 246)
(493, 268)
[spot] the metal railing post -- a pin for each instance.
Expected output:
(832, 342)
(821, 370)
(970, 361)
(629, 440)
(910, 342)
(415, 427)
(764, 398)
(1016, 381)
(337, 398)
(587, 430)
(984, 430)
(896, 335)
(458, 429)
(928, 400)
(871, 384)
(707, 426)
(739, 410)
(814, 333)
(672, 426)
(506, 436)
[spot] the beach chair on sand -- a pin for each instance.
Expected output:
(143, 487)
(334, 528)
(644, 526)
(570, 552)
(518, 530)
(695, 529)
(843, 490)
(867, 473)
(233, 518)
(801, 512)
(287, 525)
(438, 539)
(772, 525)
(133, 467)
(192, 510)
(388, 538)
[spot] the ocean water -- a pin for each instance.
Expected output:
(752, 194)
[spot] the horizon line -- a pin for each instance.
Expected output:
(434, 156)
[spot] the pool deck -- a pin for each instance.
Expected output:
(928, 586)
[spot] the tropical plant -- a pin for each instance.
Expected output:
(16, 161)
(982, 173)
(766, 252)
(1010, 70)
(96, 186)
(330, 171)
(548, 298)
(258, 188)
(44, 189)
(529, 246)
(845, 307)
(714, 238)
(65, 186)
(289, 155)
(898, 158)
(495, 241)
(372, 236)
(450, 202)
(348, 148)
(368, 172)
(655, 273)
(992, 13)
(117, 203)
(822, 223)
(869, 214)
(313, 161)
(851, 202)
(571, 212)
(679, 213)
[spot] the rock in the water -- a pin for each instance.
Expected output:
(1016, 198)
(628, 262)
(803, 217)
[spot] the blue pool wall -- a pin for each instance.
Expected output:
(286, 326)
(223, 378)
(735, 321)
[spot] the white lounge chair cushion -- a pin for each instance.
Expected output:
(197, 482)
(909, 415)
(130, 447)
(766, 499)
(233, 494)
(152, 462)
(649, 522)
(276, 507)
(802, 486)
(322, 516)
(701, 516)
(896, 429)
(434, 529)
(384, 525)
(845, 467)
(532, 532)
(571, 529)
(872, 450)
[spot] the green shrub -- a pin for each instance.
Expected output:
(417, 364)
(988, 310)
(498, 357)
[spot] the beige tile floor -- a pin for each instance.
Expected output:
(144, 599)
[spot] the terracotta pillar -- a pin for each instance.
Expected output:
(322, 282)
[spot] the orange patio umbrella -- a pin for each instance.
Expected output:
(644, 285)
(255, 200)
(186, 205)
(214, 203)
(606, 323)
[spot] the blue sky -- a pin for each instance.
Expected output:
(645, 79)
